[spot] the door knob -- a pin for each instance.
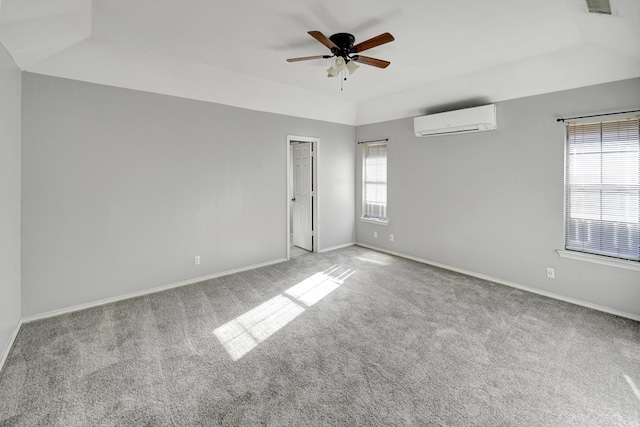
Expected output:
(293, 200)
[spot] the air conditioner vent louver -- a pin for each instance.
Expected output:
(599, 6)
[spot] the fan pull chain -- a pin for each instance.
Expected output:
(343, 78)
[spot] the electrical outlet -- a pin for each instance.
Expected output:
(391, 237)
(196, 260)
(551, 273)
(375, 234)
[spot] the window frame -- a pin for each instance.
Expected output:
(586, 255)
(363, 217)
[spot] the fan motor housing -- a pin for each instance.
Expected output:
(344, 41)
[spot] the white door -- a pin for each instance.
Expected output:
(302, 201)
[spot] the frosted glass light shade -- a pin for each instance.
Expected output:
(352, 67)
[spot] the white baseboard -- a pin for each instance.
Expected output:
(7, 349)
(59, 312)
(511, 284)
(333, 248)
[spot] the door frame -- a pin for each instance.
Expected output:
(315, 142)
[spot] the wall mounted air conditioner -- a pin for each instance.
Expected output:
(460, 121)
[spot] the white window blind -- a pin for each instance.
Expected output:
(375, 181)
(603, 188)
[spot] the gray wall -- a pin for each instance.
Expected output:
(492, 202)
(9, 196)
(122, 188)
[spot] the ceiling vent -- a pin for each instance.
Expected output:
(599, 6)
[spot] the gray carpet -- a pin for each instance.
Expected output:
(350, 337)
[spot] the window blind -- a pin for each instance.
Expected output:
(603, 188)
(375, 181)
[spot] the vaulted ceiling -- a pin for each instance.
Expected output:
(233, 52)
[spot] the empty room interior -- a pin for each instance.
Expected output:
(319, 213)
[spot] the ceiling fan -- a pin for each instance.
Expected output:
(345, 54)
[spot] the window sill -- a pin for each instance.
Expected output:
(374, 221)
(597, 259)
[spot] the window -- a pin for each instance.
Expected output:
(603, 188)
(374, 189)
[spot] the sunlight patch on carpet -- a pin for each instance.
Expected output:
(633, 386)
(318, 286)
(242, 334)
(371, 260)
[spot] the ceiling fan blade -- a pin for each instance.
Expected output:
(380, 63)
(373, 42)
(323, 39)
(306, 58)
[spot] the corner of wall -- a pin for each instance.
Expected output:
(10, 210)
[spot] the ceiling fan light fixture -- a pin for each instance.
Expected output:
(338, 64)
(352, 67)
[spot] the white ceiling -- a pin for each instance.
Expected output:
(233, 52)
